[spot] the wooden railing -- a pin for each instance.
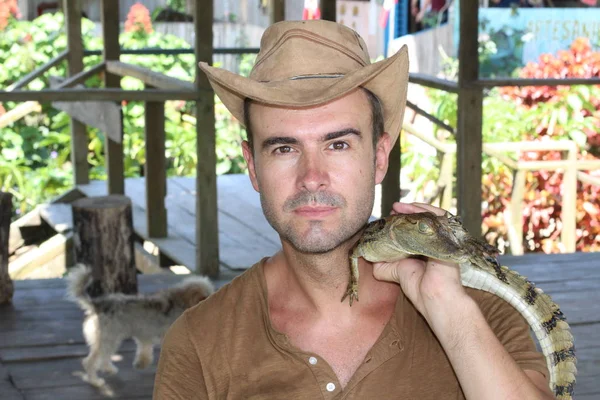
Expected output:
(572, 173)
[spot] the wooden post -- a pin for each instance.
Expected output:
(328, 10)
(569, 204)
(79, 138)
(103, 240)
(6, 285)
(277, 11)
(155, 169)
(470, 104)
(207, 232)
(390, 187)
(446, 179)
(111, 51)
(515, 230)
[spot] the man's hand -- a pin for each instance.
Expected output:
(426, 282)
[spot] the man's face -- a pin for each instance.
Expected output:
(316, 169)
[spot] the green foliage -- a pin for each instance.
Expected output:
(35, 151)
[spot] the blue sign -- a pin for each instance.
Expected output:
(531, 32)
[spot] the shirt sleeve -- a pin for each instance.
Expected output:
(512, 331)
(179, 372)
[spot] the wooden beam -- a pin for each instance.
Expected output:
(390, 187)
(277, 11)
(38, 72)
(79, 137)
(430, 117)
(568, 213)
(497, 82)
(207, 232)
(149, 77)
(110, 94)
(155, 169)
(19, 112)
(328, 10)
(6, 285)
(470, 115)
(433, 82)
(111, 51)
(82, 76)
(103, 115)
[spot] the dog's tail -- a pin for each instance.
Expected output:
(77, 281)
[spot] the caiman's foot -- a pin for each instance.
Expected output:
(351, 291)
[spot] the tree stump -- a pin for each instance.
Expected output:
(6, 285)
(103, 240)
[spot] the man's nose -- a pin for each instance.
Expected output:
(313, 175)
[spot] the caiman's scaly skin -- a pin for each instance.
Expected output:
(444, 238)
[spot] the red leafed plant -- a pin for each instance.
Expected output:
(138, 19)
(561, 112)
(8, 8)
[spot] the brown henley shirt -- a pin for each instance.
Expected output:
(226, 348)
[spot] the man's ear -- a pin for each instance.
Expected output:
(249, 157)
(382, 153)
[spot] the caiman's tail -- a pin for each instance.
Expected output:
(78, 279)
(543, 315)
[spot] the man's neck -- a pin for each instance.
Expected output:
(316, 282)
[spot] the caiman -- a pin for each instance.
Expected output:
(444, 238)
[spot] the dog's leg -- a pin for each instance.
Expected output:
(109, 367)
(144, 353)
(90, 363)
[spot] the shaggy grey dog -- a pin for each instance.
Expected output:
(114, 317)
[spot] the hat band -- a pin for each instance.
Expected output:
(293, 78)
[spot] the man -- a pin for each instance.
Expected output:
(321, 120)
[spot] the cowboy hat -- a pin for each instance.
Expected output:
(308, 63)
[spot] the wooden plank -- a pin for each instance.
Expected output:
(19, 112)
(433, 82)
(149, 77)
(60, 373)
(515, 229)
(58, 215)
(328, 10)
(58, 245)
(207, 230)
(470, 114)
(103, 94)
(520, 82)
(82, 76)
(104, 115)
(38, 72)
(79, 138)
(53, 352)
(7, 388)
(155, 169)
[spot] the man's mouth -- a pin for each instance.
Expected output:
(315, 211)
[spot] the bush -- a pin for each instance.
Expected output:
(35, 151)
(540, 114)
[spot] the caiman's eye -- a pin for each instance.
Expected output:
(424, 227)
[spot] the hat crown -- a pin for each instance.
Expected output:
(293, 49)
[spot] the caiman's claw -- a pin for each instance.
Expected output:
(351, 291)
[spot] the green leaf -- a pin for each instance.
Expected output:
(578, 137)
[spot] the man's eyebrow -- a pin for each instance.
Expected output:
(343, 132)
(275, 140)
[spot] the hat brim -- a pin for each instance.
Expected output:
(387, 79)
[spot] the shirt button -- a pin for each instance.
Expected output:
(312, 360)
(330, 387)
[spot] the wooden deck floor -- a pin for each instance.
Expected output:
(244, 234)
(41, 345)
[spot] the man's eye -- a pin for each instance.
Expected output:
(283, 149)
(338, 145)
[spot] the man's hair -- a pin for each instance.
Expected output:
(377, 120)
